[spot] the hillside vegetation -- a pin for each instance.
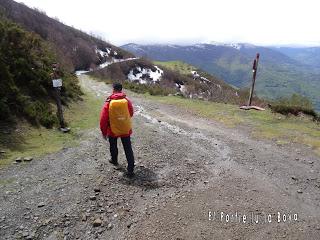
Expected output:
(294, 105)
(25, 82)
(180, 66)
(227, 93)
(176, 79)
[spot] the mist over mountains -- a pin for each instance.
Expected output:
(282, 70)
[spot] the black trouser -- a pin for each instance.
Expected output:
(126, 142)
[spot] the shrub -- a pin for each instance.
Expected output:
(25, 82)
(295, 105)
(39, 113)
(152, 89)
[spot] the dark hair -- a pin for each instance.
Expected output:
(117, 87)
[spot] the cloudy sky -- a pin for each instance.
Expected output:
(264, 22)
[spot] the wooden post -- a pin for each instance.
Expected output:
(59, 108)
(57, 84)
(254, 75)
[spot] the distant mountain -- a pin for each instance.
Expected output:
(278, 74)
(306, 55)
(75, 49)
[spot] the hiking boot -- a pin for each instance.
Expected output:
(130, 174)
(114, 162)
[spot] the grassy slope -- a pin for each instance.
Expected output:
(31, 141)
(262, 124)
(179, 66)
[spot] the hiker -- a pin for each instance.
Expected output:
(115, 122)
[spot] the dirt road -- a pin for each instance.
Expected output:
(195, 179)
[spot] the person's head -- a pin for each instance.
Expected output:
(117, 87)
(55, 66)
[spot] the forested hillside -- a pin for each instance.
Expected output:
(75, 49)
(25, 83)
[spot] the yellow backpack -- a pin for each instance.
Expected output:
(119, 116)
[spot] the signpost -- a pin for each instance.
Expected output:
(57, 84)
(254, 75)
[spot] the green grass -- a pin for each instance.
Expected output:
(263, 124)
(179, 66)
(28, 140)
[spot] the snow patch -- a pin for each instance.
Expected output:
(105, 64)
(195, 74)
(201, 46)
(144, 74)
(204, 79)
(114, 60)
(78, 73)
(107, 52)
(232, 45)
(102, 53)
(182, 88)
(134, 46)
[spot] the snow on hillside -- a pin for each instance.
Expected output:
(232, 45)
(182, 88)
(196, 76)
(114, 60)
(145, 75)
(105, 64)
(107, 53)
(103, 53)
(134, 47)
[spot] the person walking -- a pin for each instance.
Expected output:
(115, 122)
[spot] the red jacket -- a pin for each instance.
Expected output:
(104, 116)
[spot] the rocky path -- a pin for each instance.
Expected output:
(195, 179)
